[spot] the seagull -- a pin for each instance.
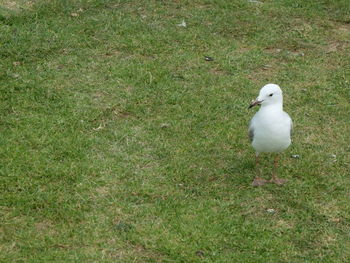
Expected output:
(270, 129)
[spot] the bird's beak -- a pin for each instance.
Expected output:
(255, 102)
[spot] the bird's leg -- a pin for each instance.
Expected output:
(258, 181)
(275, 179)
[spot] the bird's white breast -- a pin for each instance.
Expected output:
(272, 130)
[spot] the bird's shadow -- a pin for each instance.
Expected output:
(240, 171)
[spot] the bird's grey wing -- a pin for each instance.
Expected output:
(251, 131)
(291, 123)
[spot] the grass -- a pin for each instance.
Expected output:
(120, 143)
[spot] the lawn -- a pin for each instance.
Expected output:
(120, 142)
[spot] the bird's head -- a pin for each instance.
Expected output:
(268, 95)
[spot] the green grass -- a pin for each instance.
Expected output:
(120, 143)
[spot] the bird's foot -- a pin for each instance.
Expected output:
(278, 181)
(259, 181)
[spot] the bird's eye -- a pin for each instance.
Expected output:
(271, 95)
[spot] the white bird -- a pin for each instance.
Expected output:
(270, 128)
